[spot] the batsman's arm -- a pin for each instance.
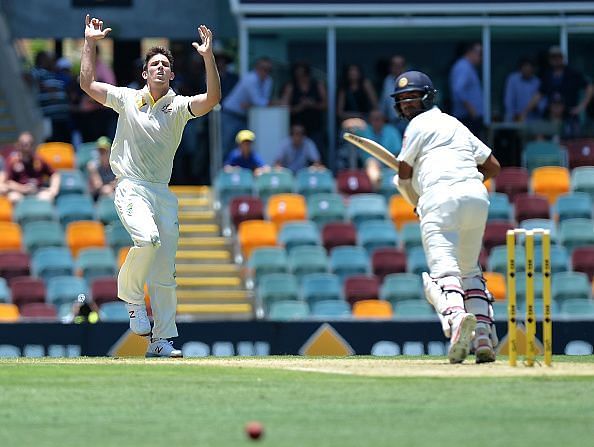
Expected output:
(490, 168)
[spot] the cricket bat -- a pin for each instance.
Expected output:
(374, 149)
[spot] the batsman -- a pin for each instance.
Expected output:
(442, 167)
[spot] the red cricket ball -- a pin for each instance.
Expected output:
(254, 430)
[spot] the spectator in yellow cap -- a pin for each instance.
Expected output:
(243, 156)
(101, 177)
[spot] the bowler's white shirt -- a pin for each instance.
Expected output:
(441, 151)
(148, 132)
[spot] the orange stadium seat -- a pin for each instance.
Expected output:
(9, 313)
(83, 234)
(57, 155)
(372, 309)
(496, 285)
(401, 211)
(256, 233)
(489, 184)
(5, 209)
(551, 182)
(285, 207)
(11, 236)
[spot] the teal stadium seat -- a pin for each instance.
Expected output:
(296, 234)
(373, 234)
(321, 287)
(543, 153)
(32, 209)
(117, 236)
(325, 208)
(413, 309)
(42, 234)
(265, 260)
(574, 206)
(560, 261)
(578, 309)
(575, 233)
(386, 187)
(500, 310)
(582, 180)
(349, 260)
(277, 181)
(313, 181)
(521, 287)
(497, 261)
(401, 287)
(331, 309)
(570, 285)
(72, 182)
(229, 184)
(86, 152)
(48, 262)
(96, 262)
(73, 207)
(410, 235)
(66, 289)
(114, 311)
(4, 291)
(538, 309)
(277, 287)
(546, 224)
(105, 210)
(499, 208)
(307, 259)
(365, 207)
(288, 310)
(416, 262)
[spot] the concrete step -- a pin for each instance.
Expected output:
(195, 217)
(186, 230)
(203, 243)
(201, 309)
(194, 203)
(190, 190)
(191, 296)
(220, 270)
(213, 282)
(203, 256)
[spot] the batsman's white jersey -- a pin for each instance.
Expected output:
(147, 136)
(453, 203)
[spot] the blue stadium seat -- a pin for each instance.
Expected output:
(117, 236)
(313, 181)
(349, 260)
(48, 262)
(229, 184)
(66, 289)
(73, 207)
(288, 310)
(307, 259)
(277, 181)
(386, 187)
(106, 211)
(578, 309)
(574, 205)
(415, 261)
(413, 309)
(410, 235)
(497, 261)
(543, 153)
(42, 234)
(296, 234)
(546, 224)
(373, 234)
(401, 287)
(114, 311)
(331, 309)
(570, 285)
(96, 262)
(277, 287)
(31, 209)
(500, 208)
(265, 260)
(72, 182)
(365, 207)
(321, 287)
(4, 291)
(325, 208)
(582, 180)
(575, 233)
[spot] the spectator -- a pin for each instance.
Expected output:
(307, 100)
(102, 180)
(297, 151)
(520, 87)
(28, 174)
(243, 156)
(466, 89)
(356, 96)
(253, 89)
(561, 80)
(397, 67)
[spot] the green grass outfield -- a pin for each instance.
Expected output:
(358, 401)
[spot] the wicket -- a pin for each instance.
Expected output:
(547, 323)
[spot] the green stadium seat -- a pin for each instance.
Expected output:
(277, 287)
(307, 259)
(325, 208)
(416, 262)
(365, 207)
(66, 289)
(96, 262)
(331, 309)
(349, 260)
(574, 205)
(410, 235)
(48, 262)
(578, 308)
(114, 311)
(314, 181)
(105, 210)
(288, 310)
(265, 260)
(401, 287)
(73, 207)
(582, 180)
(575, 233)
(499, 208)
(43, 234)
(543, 153)
(321, 287)
(373, 234)
(277, 181)
(296, 234)
(229, 184)
(72, 182)
(413, 309)
(570, 285)
(32, 209)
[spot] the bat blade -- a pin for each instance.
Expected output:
(374, 149)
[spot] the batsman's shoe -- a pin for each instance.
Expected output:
(162, 347)
(139, 320)
(463, 325)
(483, 345)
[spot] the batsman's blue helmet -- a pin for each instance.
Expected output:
(414, 81)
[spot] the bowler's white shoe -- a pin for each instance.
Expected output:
(483, 345)
(139, 320)
(463, 325)
(162, 347)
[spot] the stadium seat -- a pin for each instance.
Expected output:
(256, 233)
(413, 309)
(386, 187)
(317, 287)
(27, 289)
(582, 260)
(66, 289)
(512, 181)
(374, 234)
(9, 313)
(31, 209)
(305, 259)
(85, 152)
(277, 181)
(57, 154)
(104, 290)
(288, 310)
(559, 258)
(94, 263)
(497, 261)
(543, 153)
(6, 210)
(48, 262)
(580, 152)
(349, 260)
(84, 234)
(243, 208)
(495, 234)
(401, 286)
(12, 236)
(582, 180)
(499, 310)
(14, 263)
(550, 182)
(114, 312)
(410, 235)
(117, 237)
(353, 181)
(296, 234)
(39, 311)
(574, 233)
(277, 287)
(521, 287)
(545, 224)
(335, 234)
(282, 208)
(4, 291)
(42, 234)
(496, 283)
(499, 208)
(483, 259)
(331, 309)
(531, 206)
(578, 308)
(365, 207)
(265, 260)
(569, 285)
(314, 181)
(416, 261)
(573, 206)
(229, 184)
(385, 261)
(75, 207)
(105, 210)
(326, 208)
(72, 182)
(361, 287)
(401, 212)
(372, 309)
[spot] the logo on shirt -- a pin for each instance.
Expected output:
(167, 108)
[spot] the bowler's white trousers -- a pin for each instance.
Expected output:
(149, 213)
(453, 220)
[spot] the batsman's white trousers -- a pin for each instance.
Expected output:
(149, 213)
(453, 220)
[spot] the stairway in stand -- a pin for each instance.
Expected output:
(209, 284)
(8, 131)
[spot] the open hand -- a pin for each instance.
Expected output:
(94, 29)
(206, 36)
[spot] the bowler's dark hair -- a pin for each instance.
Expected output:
(153, 52)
